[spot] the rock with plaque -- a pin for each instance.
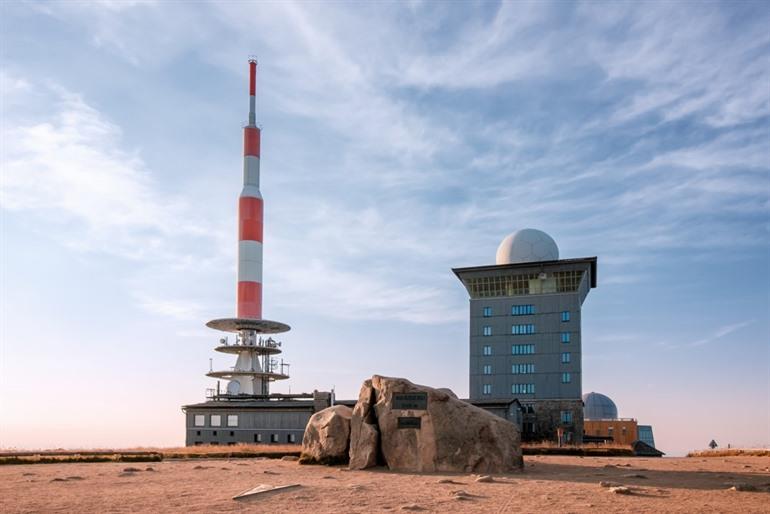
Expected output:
(419, 428)
(409, 422)
(410, 401)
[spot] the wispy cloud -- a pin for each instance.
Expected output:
(721, 332)
(625, 131)
(70, 170)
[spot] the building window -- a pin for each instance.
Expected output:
(199, 420)
(565, 315)
(522, 349)
(487, 312)
(522, 310)
(487, 370)
(487, 331)
(214, 433)
(520, 330)
(566, 378)
(232, 434)
(486, 389)
(523, 388)
(522, 369)
(273, 438)
(566, 416)
(257, 438)
(565, 337)
(198, 432)
(623, 431)
(487, 350)
(292, 438)
(232, 420)
(566, 357)
(216, 420)
(610, 431)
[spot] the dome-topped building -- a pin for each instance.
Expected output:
(525, 334)
(599, 406)
(527, 245)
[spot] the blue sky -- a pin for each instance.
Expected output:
(399, 140)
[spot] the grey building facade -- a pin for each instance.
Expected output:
(525, 341)
(278, 420)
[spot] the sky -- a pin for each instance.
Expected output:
(399, 140)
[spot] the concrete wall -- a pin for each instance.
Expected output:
(547, 340)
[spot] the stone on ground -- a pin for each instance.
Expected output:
(327, 436)
(453, 436)
(364, 434)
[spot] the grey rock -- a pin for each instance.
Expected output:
(327, 436)
(454, 435)
(620, 490)
(364, 432)
(447, 391)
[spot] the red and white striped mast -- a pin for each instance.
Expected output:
(255, 367)
(250, 209)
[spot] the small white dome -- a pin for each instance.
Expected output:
(527, 245)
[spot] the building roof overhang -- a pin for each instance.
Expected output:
(524, 266)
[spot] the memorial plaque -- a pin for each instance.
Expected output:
(410, 401)
(410, 423)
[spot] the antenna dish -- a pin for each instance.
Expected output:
(233, 387)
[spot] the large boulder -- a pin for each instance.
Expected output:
(364, 434)
(327, 436)
(426, 429)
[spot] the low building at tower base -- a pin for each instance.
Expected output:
(279, 419)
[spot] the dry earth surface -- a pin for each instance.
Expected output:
(547, 484)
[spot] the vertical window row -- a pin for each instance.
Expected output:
(522, 369)
(487, 331)
(487, 350)
(486, 389)
(487, 312)
(565, 337)
(487, 369)
(522, 349)
(566, 357)
(565, 315)
(522, 310)
(566, 378)
(524, 329)
(523, 389)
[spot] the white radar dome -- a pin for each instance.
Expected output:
(527, 245)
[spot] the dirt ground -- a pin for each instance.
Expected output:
(547, 484)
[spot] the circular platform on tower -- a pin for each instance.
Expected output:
(238, 348)
(240, 373)
(260, 326)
